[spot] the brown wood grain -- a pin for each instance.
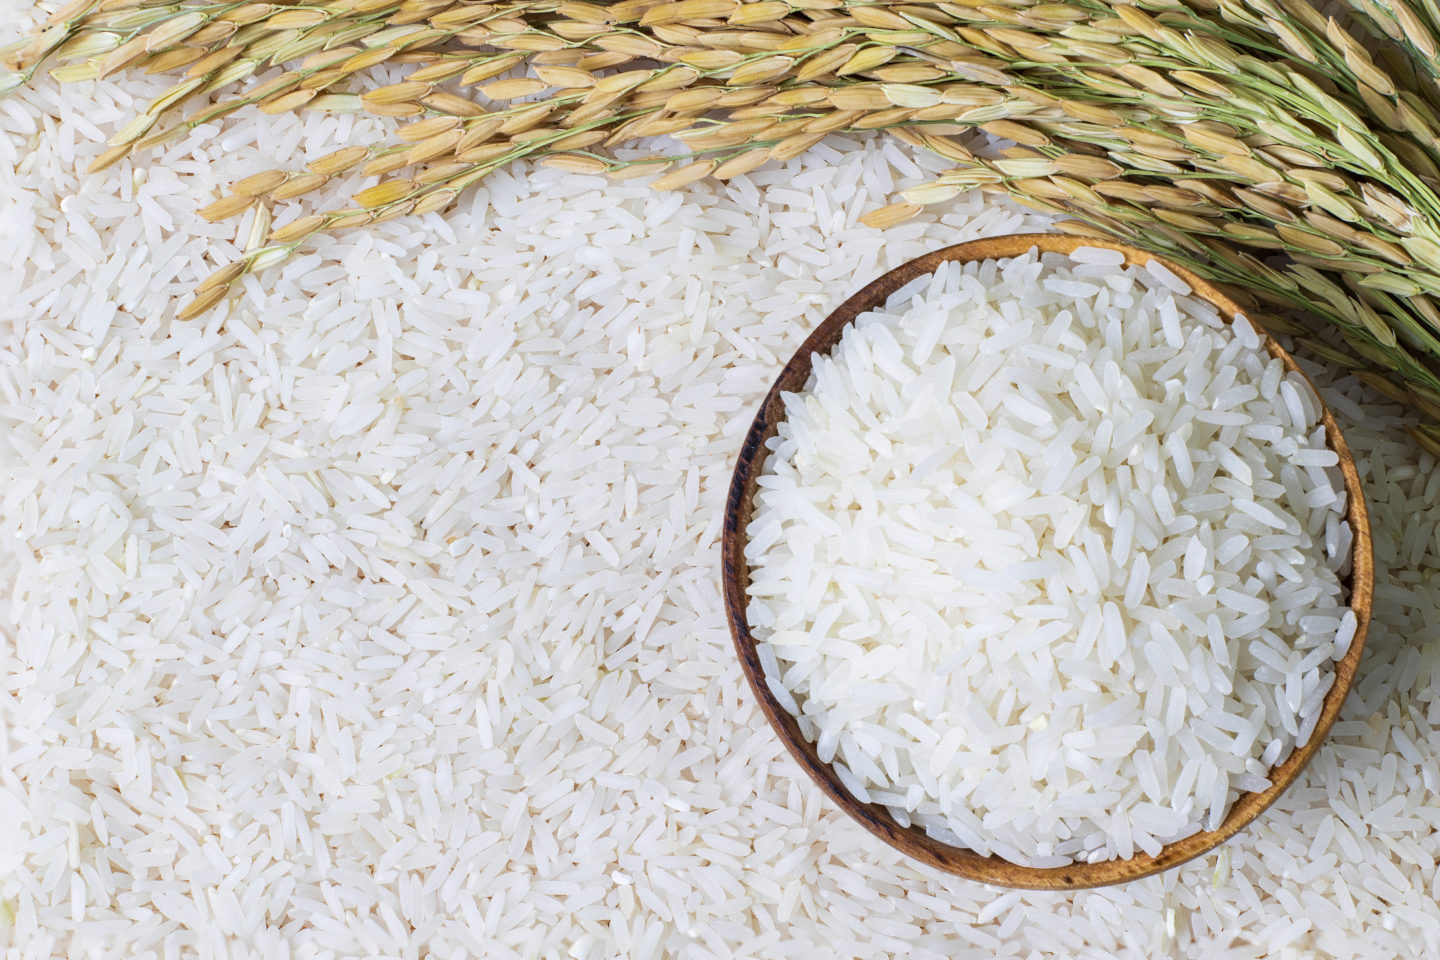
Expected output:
(874, 817)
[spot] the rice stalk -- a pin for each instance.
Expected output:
(1199, 129)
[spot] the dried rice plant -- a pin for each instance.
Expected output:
(1264, 143)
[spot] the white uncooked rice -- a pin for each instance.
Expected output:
(1039, 557)
(287, 760)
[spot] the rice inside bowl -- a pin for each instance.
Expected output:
(1046, 559)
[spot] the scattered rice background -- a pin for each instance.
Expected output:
(523, 733)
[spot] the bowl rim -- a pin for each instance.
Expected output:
(912, 841)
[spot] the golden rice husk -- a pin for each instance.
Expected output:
(889, 216)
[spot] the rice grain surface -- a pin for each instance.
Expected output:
(522, 732)
(1046, 558)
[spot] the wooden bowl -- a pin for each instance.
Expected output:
(874, 817)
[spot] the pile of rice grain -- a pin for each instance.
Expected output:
(533, 740)
(1046, 558)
